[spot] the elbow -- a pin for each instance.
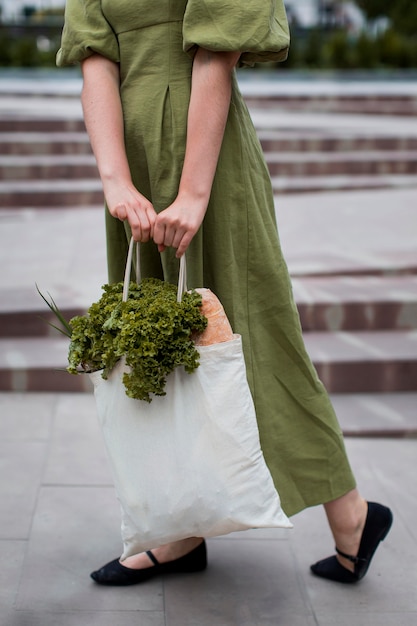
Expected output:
(99, 68)
(227, 60)
(100, 76)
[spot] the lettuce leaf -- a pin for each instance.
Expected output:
(151, 330)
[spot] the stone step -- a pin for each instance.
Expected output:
(273, 140)
(330, 303)
(36, 322)
(51, 193)
(79, 166)
(23, 313)
(27, 122)
(345, 303)
(55, 193)
(40, 124)
(51, 142)
(277, 139)
(37, 364)
(361, 362)
(47, 166)
(365, 104)
(305, 184)
(364, 163)
(272, 89)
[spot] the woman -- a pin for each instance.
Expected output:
(182, 169)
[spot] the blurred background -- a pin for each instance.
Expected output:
(326, 34)
(338, 125)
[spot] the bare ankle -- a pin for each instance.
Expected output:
(347, 517)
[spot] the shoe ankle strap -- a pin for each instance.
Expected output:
(353, 559)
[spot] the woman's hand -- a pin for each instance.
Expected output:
(211, 88)
(126, 203)
(177, 224)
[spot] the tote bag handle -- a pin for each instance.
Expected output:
(182, 277)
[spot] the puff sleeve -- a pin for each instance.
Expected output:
(86, 31)
(256, 28)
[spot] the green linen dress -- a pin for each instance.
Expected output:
(237, 252)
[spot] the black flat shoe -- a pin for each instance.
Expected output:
(377, 526)
(116, 574)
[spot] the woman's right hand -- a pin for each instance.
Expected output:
(126, 203)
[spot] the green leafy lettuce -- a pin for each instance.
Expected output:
(151, 330)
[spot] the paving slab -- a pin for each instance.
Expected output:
(251, 582)
(85, 523)
(12, 555)
(377, 414)
(90, 618)
(373, 231)
(19, 484)
(75, 428)
(255, 578)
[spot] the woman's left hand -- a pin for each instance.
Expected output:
(177, 224)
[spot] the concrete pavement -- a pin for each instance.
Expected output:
(59, 518)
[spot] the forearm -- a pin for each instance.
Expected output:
(207, 116)
(103, 117)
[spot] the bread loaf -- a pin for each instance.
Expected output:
(218, 327)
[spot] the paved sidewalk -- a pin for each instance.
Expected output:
(59, 518)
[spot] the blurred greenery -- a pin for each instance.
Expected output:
(34, 43)
(28, 50)
(402, 13)
(338, 49)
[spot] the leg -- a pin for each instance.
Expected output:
(347, 517)
(357, 527)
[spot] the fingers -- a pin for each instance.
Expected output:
(141, 225)
(176, 225)
(119, 211)
(172, 235)
(140, 216)
(183, 245)
(167, 234)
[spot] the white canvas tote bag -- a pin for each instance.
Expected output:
(188, 464)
